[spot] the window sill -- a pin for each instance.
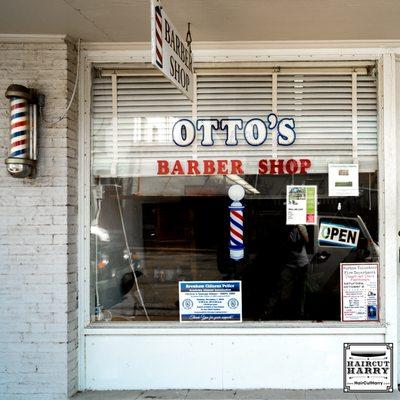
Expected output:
(244, 328)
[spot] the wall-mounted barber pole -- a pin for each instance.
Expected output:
(236, 244)
(21, 161)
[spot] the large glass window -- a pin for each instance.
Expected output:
(178, 229)
(149, 232)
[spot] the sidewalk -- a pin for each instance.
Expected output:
(261, 394)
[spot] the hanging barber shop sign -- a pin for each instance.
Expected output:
(169, 52)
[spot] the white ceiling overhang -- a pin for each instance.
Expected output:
(211, 20)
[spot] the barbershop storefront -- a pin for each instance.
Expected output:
(157, 169)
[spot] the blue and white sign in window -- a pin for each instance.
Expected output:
(210, 301)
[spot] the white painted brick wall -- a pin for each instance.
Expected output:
(38, 218)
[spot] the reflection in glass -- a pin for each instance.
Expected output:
(147, 234)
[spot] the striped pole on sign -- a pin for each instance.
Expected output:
(19, 128)
(236, 245)
(159, 52)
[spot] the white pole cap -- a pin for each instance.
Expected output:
(236, 192)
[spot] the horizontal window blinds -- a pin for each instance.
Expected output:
(367, 121)
(236, 96)
(133, 116)
(322, 106)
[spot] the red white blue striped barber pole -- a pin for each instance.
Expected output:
(236, 245)
(159, 51)
(19, 128)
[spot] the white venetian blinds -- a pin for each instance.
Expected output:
(132, 118)
(329, 126)
(235, 96)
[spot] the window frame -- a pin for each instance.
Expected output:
(95, 56)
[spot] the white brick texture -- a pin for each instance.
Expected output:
(38, 218)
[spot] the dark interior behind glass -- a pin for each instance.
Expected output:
(178, 229)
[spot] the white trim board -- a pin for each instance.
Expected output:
(240, 330)
(264, 52)
(251, 45)
(31, 38)
(279, 46)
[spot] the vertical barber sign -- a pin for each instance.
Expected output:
(169, 52)
(158, 33)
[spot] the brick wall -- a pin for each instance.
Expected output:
(38, 227)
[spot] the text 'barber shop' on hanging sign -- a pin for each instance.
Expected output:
(169, 52)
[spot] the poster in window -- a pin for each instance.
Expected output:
(210, 301)
(359, 286)
(301, 205)
(343, 180)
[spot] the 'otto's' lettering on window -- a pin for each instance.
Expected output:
(255, 131)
